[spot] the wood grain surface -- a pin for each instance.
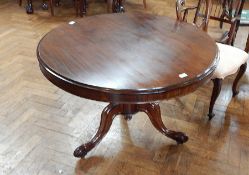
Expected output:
(127, 54)
(41, 124)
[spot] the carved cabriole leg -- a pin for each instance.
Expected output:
(216, 91)
(108, 114)
(154, 113)
(241, 71)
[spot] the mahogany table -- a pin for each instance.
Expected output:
(131, 61)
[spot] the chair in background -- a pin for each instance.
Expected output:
(117, 5)
(29, 7)
(223, 11)
(229, 12)
(232, 59)
(201, 18)
(80, 5)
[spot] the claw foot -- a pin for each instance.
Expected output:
(179, 137)
(80, 151)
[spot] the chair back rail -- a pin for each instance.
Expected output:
(202, 14)
(223, 11)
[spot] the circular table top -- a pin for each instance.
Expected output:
(127, 57)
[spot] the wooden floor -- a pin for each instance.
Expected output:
(41, 125)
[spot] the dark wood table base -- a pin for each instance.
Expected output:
(112, 110)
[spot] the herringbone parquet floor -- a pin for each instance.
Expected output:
(41, 125)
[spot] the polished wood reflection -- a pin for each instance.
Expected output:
(113, 57)
(41, 125)
(129, 76)
(112, 110)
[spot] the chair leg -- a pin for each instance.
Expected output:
(29, 7)
(58, 3)
(76, 5)
(109, 5)
(241, 71)
(216, 91)
(20, 2)
(81, 5)
(44, 5)
(51, 7)
(145, 4)
(247, 44)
